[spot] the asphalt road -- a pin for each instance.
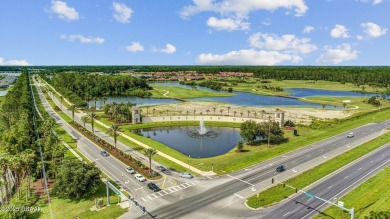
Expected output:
(303, 206)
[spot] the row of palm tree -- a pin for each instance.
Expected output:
(249, 113)
(119, 113)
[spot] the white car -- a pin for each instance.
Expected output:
(130, 170)
(186, 175)
(139, 177)
(350, 135)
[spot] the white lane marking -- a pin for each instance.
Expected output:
(286, 214)
(330, 187)
(240, 180)
(238, 196)
(345, 177)
(165, 192)
(294, 171)
(324, 156)
(360, 168)
(353, 184)
(253, 189)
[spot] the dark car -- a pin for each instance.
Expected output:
(104, 153)
(153, 187)
(280, 168)
(161, 168)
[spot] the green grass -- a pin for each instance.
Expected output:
(250, 86)
(372, 195)
(71, 208)
(278, 193)
(2, 98)
(179, 92)
(355, 103)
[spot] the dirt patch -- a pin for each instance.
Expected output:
(38, 187)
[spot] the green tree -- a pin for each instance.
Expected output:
(113, 130)
(72, 108)
(76, 179)
(85, 119)
(240, 146)
(249, 130)
(93, 116)
(150, 152)
(228, 110)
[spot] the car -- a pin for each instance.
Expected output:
(130, 170)
(139, 177)
(153, 187)
(104, 153)
(161, 168)
(280, 168)
(186, 175)
(350, 135)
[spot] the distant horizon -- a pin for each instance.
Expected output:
(194, 32)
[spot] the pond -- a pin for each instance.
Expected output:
(177, 138)
(307, 92)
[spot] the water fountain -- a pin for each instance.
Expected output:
(202, 131)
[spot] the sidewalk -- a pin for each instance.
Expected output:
(123, 146)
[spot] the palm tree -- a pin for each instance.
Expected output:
(4, 162)
(214, 109)
(61, 98)
(104, 100)
(85, 119)
(249, 113)
(207, 111)
(27, 157)
(194, 112)
(147, 110)
(72, 108)
(187, 112)
(221, 110)
(150, 152)
(228, 110)
(241, 114)
(15, 166)
(154, 110)
(167, 112)
(255, 114)
(234, 113)
(262, 113)
(113, 130)
(93, 116)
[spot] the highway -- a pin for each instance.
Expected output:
(303, 206)
(223, 196)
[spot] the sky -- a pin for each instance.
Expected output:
(195, 32)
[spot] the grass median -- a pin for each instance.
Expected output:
(278, 193)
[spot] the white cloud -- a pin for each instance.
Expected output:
(246, 57)
(339, 31)
(359, 37)
(374, 2)
(228, 24)
(82, 39)
(238, 10)
(14, 62)
(169, 49)
(339, 54)
(122, 13)
(287, 43)
(242, 8)
(63, 11)
(267, 22)
(308, 29)
(373, 30)
(135, 47)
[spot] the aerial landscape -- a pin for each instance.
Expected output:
(195, 109)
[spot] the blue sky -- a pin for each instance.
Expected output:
(195, 32)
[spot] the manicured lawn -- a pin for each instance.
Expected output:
(352, 103)
(71, 208)
(278, 193)
(179, 92)
(250, 86)
(372, 195)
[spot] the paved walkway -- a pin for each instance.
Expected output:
(125, 148)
